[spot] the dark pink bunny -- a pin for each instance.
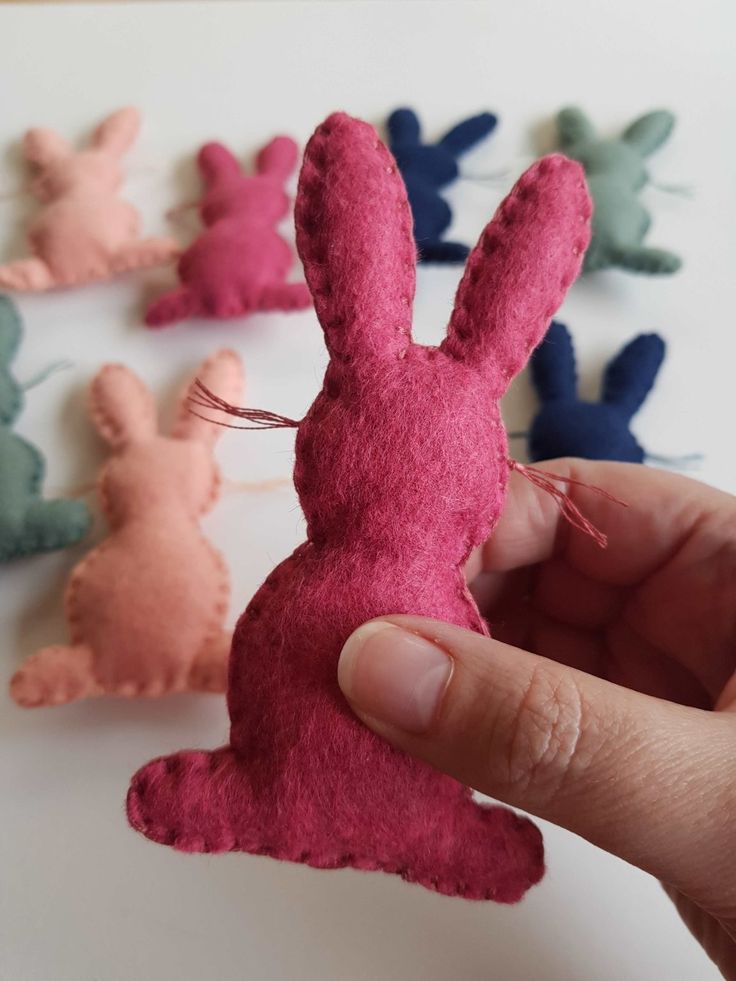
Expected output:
(239, 264)
(401, 468)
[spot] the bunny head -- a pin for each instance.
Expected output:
(436, 163)
(404, 445)
(150, 471)
(11, 394)
(623, 157)
(229, 191)
(60, 170)
(566, 426)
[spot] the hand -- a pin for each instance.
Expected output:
(603, 722)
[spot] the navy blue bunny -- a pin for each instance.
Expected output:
(428, 167)
(566, 426)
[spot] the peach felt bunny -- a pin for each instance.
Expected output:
(146, 607)
(84, 231)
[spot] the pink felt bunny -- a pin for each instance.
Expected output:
(146, 607)
(84, 231)
(401, 468)
(240, 262)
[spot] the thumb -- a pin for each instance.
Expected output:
(646, 779)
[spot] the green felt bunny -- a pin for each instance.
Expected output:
(615, 172)
(28, 524)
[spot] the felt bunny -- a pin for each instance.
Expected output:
(28, 524)
(84, 231)
(616, 172)
(401, 468)
(240, 262)
(428, 167)
(567, 426)
(146, 607)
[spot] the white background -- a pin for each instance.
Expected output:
(82, 897)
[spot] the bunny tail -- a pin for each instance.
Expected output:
(171, 308)
(29, 275)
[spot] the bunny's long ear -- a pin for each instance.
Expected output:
(116, 134)
(649, 132)
(222, 374)
(354, 236)
(10, 330)
(465, 135)
(518, 273)
(121, 406)
(403, 128)
(217, 164)
(43, 147)
(573, 126)
(553, 365)
(278, 158)
(629, 377)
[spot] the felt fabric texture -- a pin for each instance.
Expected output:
(615, 171)
(567, 426)
(426, 169)
(239, 264)
(83, 231)
(401, 469)
(146, 607)
(28, 523)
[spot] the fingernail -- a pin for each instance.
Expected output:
(393, 675)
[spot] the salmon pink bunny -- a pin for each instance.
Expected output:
(239, 263)
(146, 607)
(401, 468)
(84, 231)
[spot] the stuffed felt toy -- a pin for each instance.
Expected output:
(240, 262)
(28, 524)
(426, 169)
(567, 426)
(84, 231)
(401, 468)
(615, 171)
(146, 607)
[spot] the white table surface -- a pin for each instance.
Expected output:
(82, 897)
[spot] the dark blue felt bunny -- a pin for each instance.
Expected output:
(566, 426)
(428, 167)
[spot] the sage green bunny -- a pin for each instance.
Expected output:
(28, 524)
(615, 172)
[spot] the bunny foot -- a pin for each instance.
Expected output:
(639, 258)
(146, 252)
(27, 274)
(55, 676)
(285, 296)
(209, 671)
(171, 308)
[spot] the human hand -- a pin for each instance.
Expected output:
(603, 721)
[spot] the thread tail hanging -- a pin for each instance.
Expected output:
(258, 418)
(547, 481)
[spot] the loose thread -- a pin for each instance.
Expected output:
(545, 481)
(47, 373)
(260, 418)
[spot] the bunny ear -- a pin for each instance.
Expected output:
(43, 147)
(121, 406)
(216, 163)
(116, 134)
(10, 330)
(403, 128)
(222, 374)
(573, 126)
(630, 375)
(649, 132)
(519, 272)
(553, 365)
(278, 158)
(354, 236)
(466, 134)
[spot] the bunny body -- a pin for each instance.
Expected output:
(28, 523)
(239, 263)
(427, 168)
(146, 607)
(84, 231)
(567, 426)
(616, 173)
(401, 468)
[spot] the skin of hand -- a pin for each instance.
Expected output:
(606, 700)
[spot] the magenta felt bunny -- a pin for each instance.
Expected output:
(84, 231)
(401, 468)
(239, 264)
